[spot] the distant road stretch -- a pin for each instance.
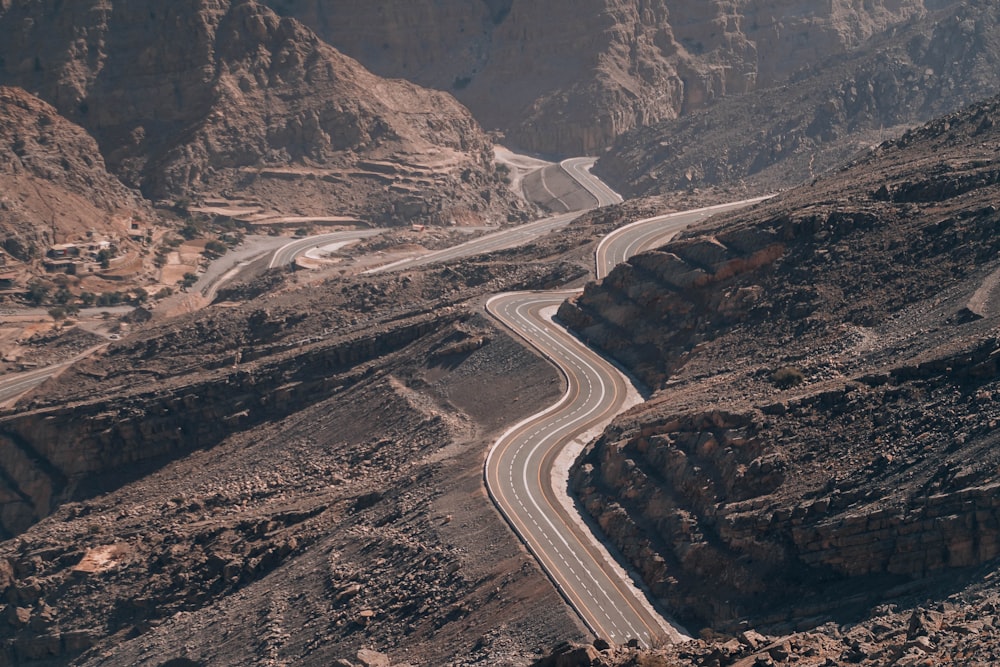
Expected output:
(579, 168)
(642, 235)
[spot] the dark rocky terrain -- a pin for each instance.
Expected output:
(820, 449)
(824, 113)
(295, 478)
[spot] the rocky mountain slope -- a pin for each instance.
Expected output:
(53, 180)
(253, 106)
(821, 440)
(296, 478)
(569, 77)
(824, 113)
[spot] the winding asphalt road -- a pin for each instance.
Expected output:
(519, 467)
(643, 235)
(518, 476)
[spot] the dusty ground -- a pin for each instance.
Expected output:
(314, 533)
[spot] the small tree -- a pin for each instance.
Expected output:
(788, 376)
(104, 258)
(214, 249)
(38, 292)
(62, 296)
(189, 280)
(57, 313)
(190, 230)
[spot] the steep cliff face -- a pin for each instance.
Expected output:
(568, 77)
(254, 104)
(823, 114)
(826, 371)
(53, 181)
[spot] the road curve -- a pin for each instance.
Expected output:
(642, 235)
(518, 476)
(287, 253)
(518, 469)
(579, 168)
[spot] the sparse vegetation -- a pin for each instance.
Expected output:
(214, 249)
(787, 377)
(38, 292)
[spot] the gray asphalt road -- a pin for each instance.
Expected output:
(579, 168)
(13, 386)
(518, 476)
(501, 240)
(650, 233)
(288, 252)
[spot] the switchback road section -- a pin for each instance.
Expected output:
(518, 476)
(519, 467)
(643, 235)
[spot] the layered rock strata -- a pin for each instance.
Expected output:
(826, 376)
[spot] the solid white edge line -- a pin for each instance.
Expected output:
(610, 238)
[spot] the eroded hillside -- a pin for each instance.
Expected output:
(253, 106)
(569, 77)
(822, 436)
(54, 182)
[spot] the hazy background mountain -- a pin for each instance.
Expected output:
(569, 77)
(823, 114)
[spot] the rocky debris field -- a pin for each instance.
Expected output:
(819, 453)
(295, 478)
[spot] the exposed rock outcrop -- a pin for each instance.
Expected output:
(254, 105)
(824, 426)
(633, 63)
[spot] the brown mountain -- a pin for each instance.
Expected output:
(823, 114)
(53, 181)
(821, 437)
(227, 98)
(568, 77)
